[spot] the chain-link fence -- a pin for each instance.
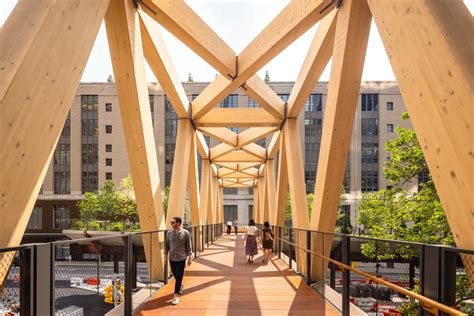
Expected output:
(10, 281)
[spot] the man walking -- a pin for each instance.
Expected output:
(178, 246)
(229, 225)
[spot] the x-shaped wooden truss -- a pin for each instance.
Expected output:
(45, 45)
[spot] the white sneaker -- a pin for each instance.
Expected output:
(181, 289)
(175, 301)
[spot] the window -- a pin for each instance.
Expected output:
(230, 101)
(108, 107)
(89, 142)
(230, 213)
(389, 128)
(370, 181)
(314, 103)
(231, 191)
(370, 126)
(108, 176)
(389, 106)
(62, 216)
(62, 160)
(151, 97)
(252, 103)
(108, 148)
(369, 153)
(284, 97)
(108, 161)
(370, 102)
(36, 219)
(108, 129)
(171, 127)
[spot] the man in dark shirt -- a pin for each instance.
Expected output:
(177, 248)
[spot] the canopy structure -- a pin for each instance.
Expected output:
(45, 45)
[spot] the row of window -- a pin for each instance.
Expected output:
(61, 217)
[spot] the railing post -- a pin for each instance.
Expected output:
(308, 257)
(128, 245)
(290, 237)
(279, 242)
(165, 265)
(195, 241)
(26, 285)
(448, 278)
(346, 281)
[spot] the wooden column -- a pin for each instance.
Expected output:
(179, 176)
(430, 48)
(270, 170)
(33, 75)
(204, 193)
(282, 184)
(350, 44)
(193, 186)
(299, 208)
(123, 33)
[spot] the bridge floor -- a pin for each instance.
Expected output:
(221, 282)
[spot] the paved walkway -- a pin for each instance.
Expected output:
(221, 282)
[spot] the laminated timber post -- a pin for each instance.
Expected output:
(179, 176)
(38, 82)
(204, 194)
(282, 183)
(350, 45)
(437, 87)
(295, 168)
(123, 33)
(193, 186)
(271, 190)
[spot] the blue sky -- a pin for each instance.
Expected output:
(237, 22)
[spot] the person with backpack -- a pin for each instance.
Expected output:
(267, 241)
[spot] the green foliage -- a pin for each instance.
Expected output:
(165, 198)
(288, 215)
(190, 77)
(108, 204)
(110, 78)
(398, 214)
(116, 227)
(267, 77)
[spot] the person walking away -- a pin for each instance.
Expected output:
(177, 248)
(229, 226)
(267, 241)
(250, 240)
(236, 227)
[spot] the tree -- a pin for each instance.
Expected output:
(165, 197)
(110, 78)
(190, 77)
(267, 77)
(397, 214)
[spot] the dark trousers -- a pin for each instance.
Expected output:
(177, 267)
(228, 229)
(235, 228)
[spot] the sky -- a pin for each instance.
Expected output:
(237, 22)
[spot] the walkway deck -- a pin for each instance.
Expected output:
(221, 282)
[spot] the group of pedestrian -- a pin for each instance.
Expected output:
(252, 234)
(178, 248)
(229, 226)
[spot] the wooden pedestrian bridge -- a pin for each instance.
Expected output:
(221, 282)
(45, 45)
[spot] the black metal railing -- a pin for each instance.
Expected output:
(379, 276)
(86, 276)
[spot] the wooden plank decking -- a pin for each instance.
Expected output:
(221, 282)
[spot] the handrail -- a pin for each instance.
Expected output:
(401, 242)
(427, 303)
